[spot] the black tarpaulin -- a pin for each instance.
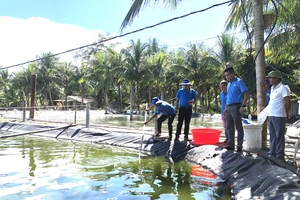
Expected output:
(249, 176)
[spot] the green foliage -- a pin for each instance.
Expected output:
(106, 75)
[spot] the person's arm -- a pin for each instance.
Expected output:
(246, 97)
(254, 111)
(150, 107)
(194, 97)
(146, 122)
(245, 100)
(287, 105)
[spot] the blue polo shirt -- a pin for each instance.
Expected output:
(165, 109)
(268, 92)
(223, 98)
(235, 91)
(185, 96)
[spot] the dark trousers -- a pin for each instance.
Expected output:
(234, 121)
(185, 114)
(170, 122)
(276, 130)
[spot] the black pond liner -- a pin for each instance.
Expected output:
(250, 176)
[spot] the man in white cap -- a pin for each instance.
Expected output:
(279, 108)
(186, 97)
(167, 111)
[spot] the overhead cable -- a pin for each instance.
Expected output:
(210, 38)
(118, 36)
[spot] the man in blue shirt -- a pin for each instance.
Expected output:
(186, 98)
(268, 91)
(223, 98)
(167, 111)
(237, 97)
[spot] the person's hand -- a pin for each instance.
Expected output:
(224, 112)
(191, 102)
(145, 122)
(242, 110)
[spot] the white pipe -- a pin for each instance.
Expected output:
(87, 115)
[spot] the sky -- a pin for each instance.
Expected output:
(30, 28)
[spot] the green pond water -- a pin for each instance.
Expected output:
(41, 168)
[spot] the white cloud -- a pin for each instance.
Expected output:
(22, 40)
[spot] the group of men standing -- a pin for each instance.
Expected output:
(185, 98)
(233, 98)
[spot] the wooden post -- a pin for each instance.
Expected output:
(24, 111)
(33, 91)
(131, 102)
(75, 120)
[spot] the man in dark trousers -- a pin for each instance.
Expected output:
(167, 111)
(279, 109)
(186, 97)
(237, 97)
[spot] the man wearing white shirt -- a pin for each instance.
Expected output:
(279, 108)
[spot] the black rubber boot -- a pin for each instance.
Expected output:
(186, 138)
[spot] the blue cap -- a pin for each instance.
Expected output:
(154, 100)
(186, 82)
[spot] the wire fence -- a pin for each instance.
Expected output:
(74, 115)
(92, 117)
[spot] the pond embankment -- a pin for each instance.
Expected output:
(250, 175)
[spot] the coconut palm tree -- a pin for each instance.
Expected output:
(284, 43)
(21, 82)
(117, 63)
(136, 6)
(5, 86)
(226, 52)
(64, 73)
(157, 65)
(81, 81)
(135, 58)
(47, 66)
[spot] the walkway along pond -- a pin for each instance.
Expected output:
(250, 176)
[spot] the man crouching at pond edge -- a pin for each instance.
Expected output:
(237, 97)
(167, 111)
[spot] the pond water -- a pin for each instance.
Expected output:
(35, 168)
(124, 120)
(100, 118)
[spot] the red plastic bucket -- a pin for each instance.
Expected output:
(206, 135)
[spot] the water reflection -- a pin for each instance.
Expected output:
(32, 164)
(162, 183)
(33, 168)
